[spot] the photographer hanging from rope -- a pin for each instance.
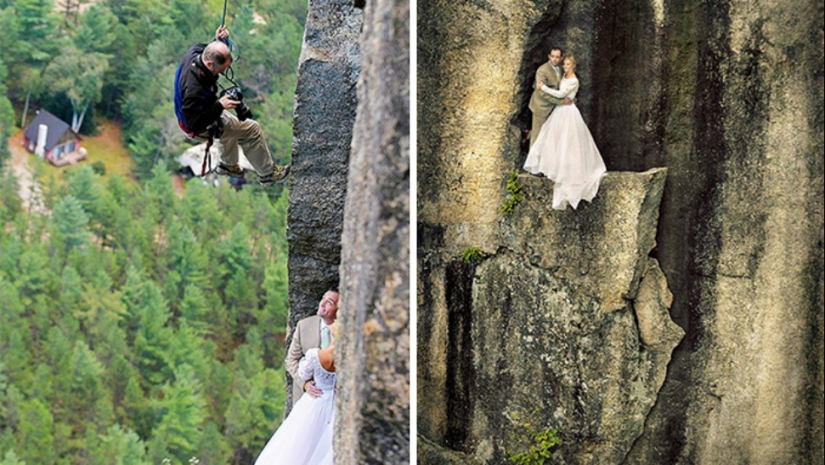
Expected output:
(202, 113)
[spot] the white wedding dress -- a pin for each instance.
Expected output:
(305, 436)
(565, 152)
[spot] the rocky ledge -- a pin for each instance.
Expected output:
(563, 324)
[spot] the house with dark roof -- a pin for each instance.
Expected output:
(51, 138)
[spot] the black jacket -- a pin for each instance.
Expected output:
(196, 102)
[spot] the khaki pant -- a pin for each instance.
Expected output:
(538, 122)
(249, 135)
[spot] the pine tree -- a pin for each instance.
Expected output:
(138, 412)
(101, 308)
(58, 355)
(272, 319)
(254, 412)
(256, 406)
(88, 401)
(38, 24)
(184, 415)
(6, 119)
(10, 203)
(42, 387)
(34, 279)
(34, 432)
(217, 387)
(194, 307)
(152, 337)
(16, 357)
(120, 446)
(199, 209)
(70, 289)
(11, 316)
(4, 415)
(71, 221)
(96, 31)
(185, 265)
(213, 448)
(184, 348)
(132, 294)
(11, 459)
(240, 288)
(83, 186)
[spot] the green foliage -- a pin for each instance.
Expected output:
(472, 255)
(99, 168)
(10, 203)
(514, 194)
(183, 410)
(71, 221)
(140, 325)
(11, 459)
(78, 76)
(538, 443)
(6, 118)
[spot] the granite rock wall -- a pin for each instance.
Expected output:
(349, 214)
(729, 97)
(373, 411)
(325, 104)
(529, 335)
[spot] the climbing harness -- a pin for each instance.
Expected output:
(215, 130)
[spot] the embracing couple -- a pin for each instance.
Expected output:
(305, 436)
(561, 146)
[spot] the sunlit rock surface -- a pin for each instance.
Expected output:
(564, 324)
(729, 97)
(373, 413)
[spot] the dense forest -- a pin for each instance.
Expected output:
(140, 324)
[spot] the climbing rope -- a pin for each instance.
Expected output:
(233, 47)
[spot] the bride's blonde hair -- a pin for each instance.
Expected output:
(572, 58)
(335, 329)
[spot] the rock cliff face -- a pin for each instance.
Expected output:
(350, 205)
(531, 336)
(729, 97)
(325, 103)
(373, 416)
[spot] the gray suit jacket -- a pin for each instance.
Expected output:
(307, 336)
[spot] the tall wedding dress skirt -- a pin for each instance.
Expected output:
(303, 436)
(323, 453)
(565, 152)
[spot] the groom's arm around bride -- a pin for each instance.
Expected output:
(306, 337)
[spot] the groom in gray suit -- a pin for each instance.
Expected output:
(542, 103)
(311, 332)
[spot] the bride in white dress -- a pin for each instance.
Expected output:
(564, 150)
(305, 436)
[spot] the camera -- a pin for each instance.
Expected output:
(235, 93)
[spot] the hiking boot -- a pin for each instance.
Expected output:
(234, 171)
(278, 174)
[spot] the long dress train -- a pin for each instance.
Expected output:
(565, 152)
(305, 436)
